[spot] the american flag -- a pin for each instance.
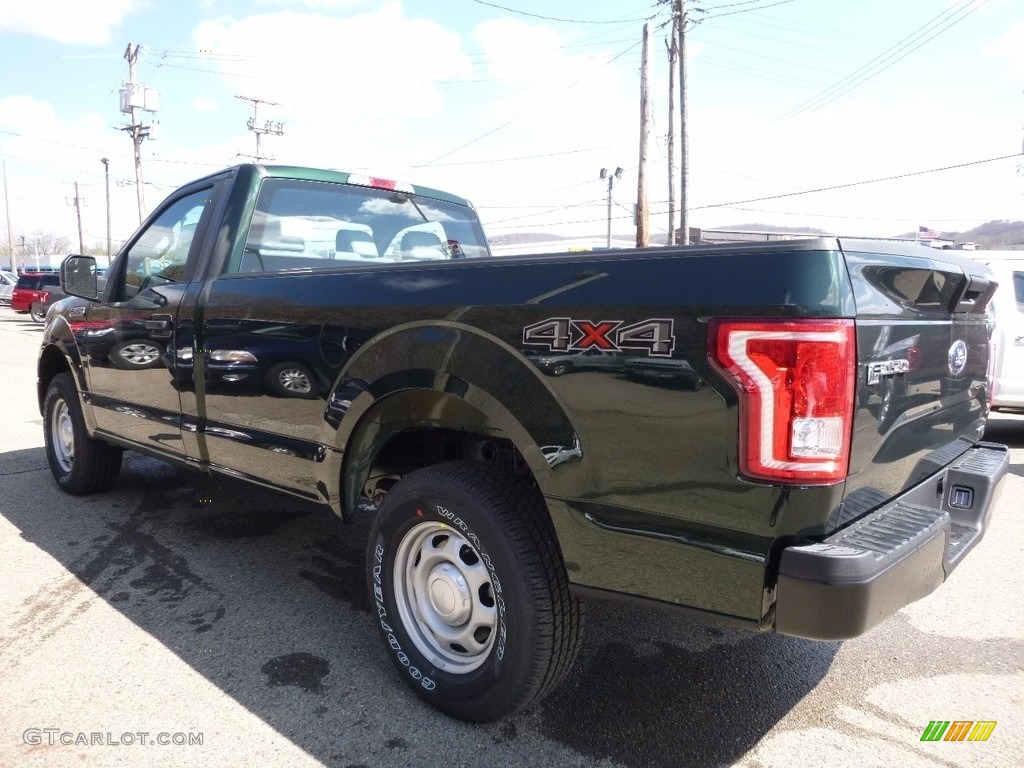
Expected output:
(923, 233)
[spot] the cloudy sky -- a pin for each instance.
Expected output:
(518, 104)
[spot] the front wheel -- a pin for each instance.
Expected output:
(79, 464)
(471, 592)
(136, 355)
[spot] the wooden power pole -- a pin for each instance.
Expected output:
(673, 63)
(643, 224)
(77, 202)
(684, 219)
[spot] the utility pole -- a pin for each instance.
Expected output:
(136, 96)
(612, 177)
(643, 231)
(269, 126)
(78, 212)
(106, 175)
(684, 219)
(673, 63)
(10, 233)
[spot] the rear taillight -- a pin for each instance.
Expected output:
(795, 380)
(42, 295)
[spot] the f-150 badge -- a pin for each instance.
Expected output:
(886, 368)
(562, 334)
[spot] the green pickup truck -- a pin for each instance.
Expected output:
(781, 436)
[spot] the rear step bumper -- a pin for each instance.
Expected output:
(843, 586)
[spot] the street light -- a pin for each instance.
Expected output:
(612, 178)
(106, 173)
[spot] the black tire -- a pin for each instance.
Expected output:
(291, 380)
(37, 312)
(79, 464)
(522, 629)
(136, 355)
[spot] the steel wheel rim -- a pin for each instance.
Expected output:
(139, 354)
(62, 436)
(445, 597)
(295, 380)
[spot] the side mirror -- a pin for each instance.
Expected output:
(78, 277)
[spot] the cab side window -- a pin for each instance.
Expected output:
(161, 254)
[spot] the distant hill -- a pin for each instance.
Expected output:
(775, 228)
(990, 236)
(524, 238)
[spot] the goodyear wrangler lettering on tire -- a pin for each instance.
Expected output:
(471, 592)
(389, 633)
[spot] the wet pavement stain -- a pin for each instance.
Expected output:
(203, 621)
(301, 670)
(339, 580)
(247, 524)
(507, 733)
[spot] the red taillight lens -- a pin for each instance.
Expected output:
(795, 380)
(42, 295)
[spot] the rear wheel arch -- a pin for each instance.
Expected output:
(402, 432)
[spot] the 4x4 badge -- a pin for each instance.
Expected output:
(562, 334)
(957, 357)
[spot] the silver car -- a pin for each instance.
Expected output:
(7, 283)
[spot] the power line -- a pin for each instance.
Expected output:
(745, 10)
(735, 203)
(526, 111)
(885, 59)
(555, 18)
(522, 157)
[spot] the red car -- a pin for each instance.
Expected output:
(32, 292)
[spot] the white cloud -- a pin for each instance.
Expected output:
(369, 66)
(1010, 46)
(46, 154)
(205, 104)
(66, 21)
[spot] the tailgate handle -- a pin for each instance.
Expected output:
(975, 287)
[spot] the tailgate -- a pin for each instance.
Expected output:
(922, 346)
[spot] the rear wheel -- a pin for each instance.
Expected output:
(291, 380)
(79, 464)
(471, 592)
(37, 312)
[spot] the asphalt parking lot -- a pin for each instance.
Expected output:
(186, 609)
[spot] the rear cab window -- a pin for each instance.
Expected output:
(37, 282)
(301, 224)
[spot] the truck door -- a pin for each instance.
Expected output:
(126, 336)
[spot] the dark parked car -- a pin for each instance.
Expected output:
(567, 362)
(124, 341)
(289, 360)
(35, 292)
(662, 370)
